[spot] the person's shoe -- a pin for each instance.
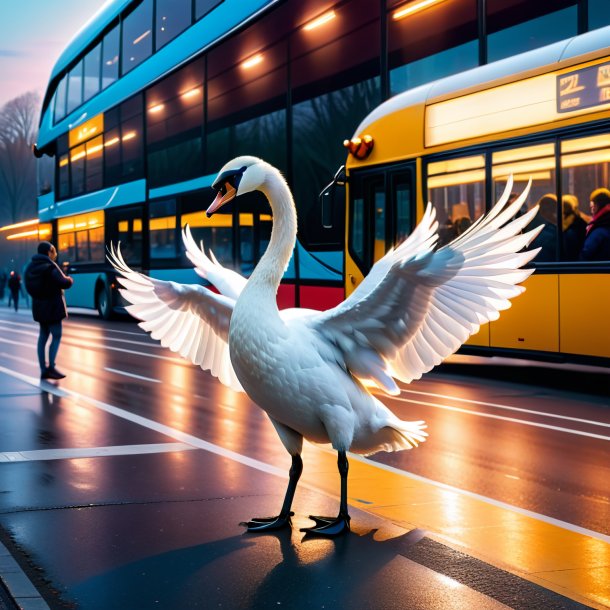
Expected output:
(53, 373)
(44, 374)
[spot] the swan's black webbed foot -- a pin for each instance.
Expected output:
(267, 524)
(328, 526)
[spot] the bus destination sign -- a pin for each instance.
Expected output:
(583, 88)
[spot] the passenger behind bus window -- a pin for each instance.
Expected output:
(547, 238)
(574, 225)
(597, 240)
(455, 224)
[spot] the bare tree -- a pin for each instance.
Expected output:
(18, 127)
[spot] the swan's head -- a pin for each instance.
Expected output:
(239, 176)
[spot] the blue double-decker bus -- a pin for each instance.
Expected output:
(152, 97)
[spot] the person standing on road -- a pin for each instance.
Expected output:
(14, 286)
(45, 283)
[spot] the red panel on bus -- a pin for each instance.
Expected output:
(321, 297)
(285, 296)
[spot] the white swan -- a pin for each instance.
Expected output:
(309, 370)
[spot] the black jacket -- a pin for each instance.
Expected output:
(45, 281)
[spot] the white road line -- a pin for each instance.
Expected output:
(507, 408)
(132, 375)
(91, 452)
(268, 468)
(501, 417)
(19, 359)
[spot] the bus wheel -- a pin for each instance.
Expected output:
(102, 301)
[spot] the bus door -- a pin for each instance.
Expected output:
(382, 209)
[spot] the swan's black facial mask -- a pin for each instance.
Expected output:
(226, 188)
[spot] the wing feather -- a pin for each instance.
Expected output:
(228, 282)
(188, 319)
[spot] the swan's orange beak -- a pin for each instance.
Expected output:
(222, 198)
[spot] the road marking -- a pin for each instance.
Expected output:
(189, 439)
(91, 452)
(507, 408)
(142, 378)
(503, 418)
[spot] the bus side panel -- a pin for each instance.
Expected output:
(82, 293)
(481, 338)
(532, 323)
(285, 296)
(584, 325)
(320, 297)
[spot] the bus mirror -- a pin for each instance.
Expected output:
(332, 195)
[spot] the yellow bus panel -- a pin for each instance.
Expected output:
(532, 322)
(481, 338)
(584, 325)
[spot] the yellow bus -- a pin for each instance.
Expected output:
(544, 114)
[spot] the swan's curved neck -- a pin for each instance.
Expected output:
(270, 269)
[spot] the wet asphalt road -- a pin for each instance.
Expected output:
(543, 448)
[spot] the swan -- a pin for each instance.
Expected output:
(312, 371)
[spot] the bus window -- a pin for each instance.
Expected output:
(67, 248)
(456, 189)
(215, 234)
(599, 13)
(203, 7)
(173, 17)
(124, 226)
(162, 226)
(247, 243)
(357, 228)
(91, 83)
(379, 222)
(59, 111)
(174, 120)
(368, 234)
(431, 44)
(64, 176)
(95, 164)
(516, 26)
(402, 196)
(77, 167)
(81, 238)
(137, 36)
(538, 163)
(110, 57)
(585, 167)
(75, 87)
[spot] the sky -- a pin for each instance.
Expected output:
(33, 33)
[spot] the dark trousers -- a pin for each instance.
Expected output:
(14, 297)
(45, 330)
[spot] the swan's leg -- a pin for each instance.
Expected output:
(333, 526)
(262, 524)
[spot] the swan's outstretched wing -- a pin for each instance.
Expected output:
(188, 319)
(228, 282)
(418, 306)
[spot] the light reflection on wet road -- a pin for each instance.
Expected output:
(532, 446)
